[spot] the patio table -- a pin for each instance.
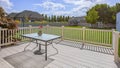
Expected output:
(46, 38)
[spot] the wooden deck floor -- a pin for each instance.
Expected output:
(68, 57)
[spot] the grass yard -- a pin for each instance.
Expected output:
(74, 26)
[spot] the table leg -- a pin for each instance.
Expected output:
(39, 51)
(45, 50)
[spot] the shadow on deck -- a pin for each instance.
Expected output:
(91, 47)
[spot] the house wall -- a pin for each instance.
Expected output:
(118, 22)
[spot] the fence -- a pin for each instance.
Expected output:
(95, 36)
(10, 36)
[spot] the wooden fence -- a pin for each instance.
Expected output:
(95, 36)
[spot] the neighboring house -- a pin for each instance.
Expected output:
(76, 20)
(26, 15)
(81, 21)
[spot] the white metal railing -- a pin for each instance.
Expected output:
(95, 36)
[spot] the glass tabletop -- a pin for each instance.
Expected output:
(43, 37)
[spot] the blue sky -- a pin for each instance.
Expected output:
(53, 7)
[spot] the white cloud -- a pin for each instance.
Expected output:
(71, 7)
(62, 13)
(6, 4)
(81, 6)
(82, 2)
(51, 5)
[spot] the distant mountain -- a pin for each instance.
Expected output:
(12, 15)
(26, 14)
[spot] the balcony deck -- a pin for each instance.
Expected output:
(68, 56)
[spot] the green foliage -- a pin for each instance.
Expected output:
(55, 18)
(6, 22)
(106, 13)
(117, 7)
(2, 13)
(119, 48)
(92, 16)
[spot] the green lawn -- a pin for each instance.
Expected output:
(74, 26)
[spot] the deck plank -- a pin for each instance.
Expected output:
(68, 57)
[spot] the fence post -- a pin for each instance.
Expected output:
(47, 26)
(30, 27)
(83, 35)
(0, 38)
(115, 41)
(112, 38)
(62, 33)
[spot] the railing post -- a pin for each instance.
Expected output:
(62, 33)
(115, 44)
(83, 35)
(112, 38)
(47, 26)
(30, 27)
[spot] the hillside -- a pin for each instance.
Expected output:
(26, 14)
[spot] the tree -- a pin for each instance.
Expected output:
(92, 16)
(63, 18)
(2, 15)
(104, 12)
(117, 7)
(67, 18)
(45, 18)
(49, 19)
(6, 23)
(114, 10)
(54, 18)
